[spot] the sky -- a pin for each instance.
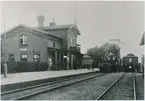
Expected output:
(98, 21)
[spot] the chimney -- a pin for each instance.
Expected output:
(40, 20)
(52, 23)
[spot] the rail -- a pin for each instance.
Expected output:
(108, 88)
(134, 86)
(57, 84)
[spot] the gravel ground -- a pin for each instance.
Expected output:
(139, 86)
(17, 94)
(123, 90)
(86, 90)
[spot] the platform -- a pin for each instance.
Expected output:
(17, 78)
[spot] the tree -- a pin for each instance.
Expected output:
(90, 52)
(99, 52)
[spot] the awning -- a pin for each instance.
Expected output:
(142, 40)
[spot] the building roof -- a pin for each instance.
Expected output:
(142, 40)
(59, 27)
(35, 29)
(130, 55)
(45, 28)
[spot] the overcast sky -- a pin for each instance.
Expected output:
(97, 21)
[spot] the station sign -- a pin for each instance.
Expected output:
(23, 49)
(64, 56)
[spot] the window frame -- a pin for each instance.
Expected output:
(24, 40)
(53, 44)
(71, 40)
(37, 59)
(11, 57)
(25, 58)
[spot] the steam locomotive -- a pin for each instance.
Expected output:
(109, 63)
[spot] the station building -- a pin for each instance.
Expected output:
(143, 55)
(52, 44)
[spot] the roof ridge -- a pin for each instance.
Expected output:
(36, 29)
(43, 31)
(67, 25)
(58, 27)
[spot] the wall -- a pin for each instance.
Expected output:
(62, 34)
(36, 43)
(66, 35)
(71, 35)
(12, 46)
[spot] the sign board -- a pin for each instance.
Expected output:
(23, 49)
(64, 56)
(130, 59)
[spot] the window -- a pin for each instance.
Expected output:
(23, 57)
(71, 40)
(24, 40)
(58, 45)
(53, 44)
(36, 57)
(58, 56)
(130, 59)
(11, 57)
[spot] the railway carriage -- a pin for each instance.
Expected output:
(130, 63)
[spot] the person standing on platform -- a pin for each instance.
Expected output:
(93, 65)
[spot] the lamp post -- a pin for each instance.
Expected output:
(5, 62)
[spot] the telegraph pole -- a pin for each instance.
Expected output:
(75, 22)
(5, 62)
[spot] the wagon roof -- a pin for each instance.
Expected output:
(87, 57)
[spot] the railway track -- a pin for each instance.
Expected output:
(139, 86)
(25, 93)
(104, 95)
(134, 86)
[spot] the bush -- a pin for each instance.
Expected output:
(24, 66)
(43, 67)
(10, 65)
(53, 67)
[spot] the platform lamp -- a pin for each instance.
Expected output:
(5, 62)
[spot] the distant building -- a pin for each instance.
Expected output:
(142, 39)
(87, 60)
(52, 44)
(143, 56)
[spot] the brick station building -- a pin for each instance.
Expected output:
(53, 44)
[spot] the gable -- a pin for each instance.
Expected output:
(61, 27)
(74, 32)
(19, 28)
